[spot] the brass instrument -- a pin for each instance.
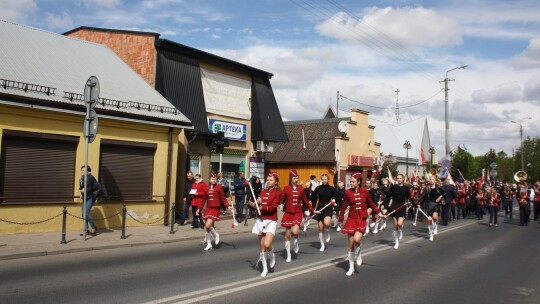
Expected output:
(520, 176)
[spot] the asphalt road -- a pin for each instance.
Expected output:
(468, 262)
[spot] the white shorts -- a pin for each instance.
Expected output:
(266, 226)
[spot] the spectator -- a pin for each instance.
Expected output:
(239, 185)
(187, 198)
(91, 187)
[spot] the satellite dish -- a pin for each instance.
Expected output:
(342, 126)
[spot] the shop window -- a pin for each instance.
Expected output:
(126, 170)
(37, 167)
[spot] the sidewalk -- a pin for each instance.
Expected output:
(14, 246)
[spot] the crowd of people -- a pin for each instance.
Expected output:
(361, 209)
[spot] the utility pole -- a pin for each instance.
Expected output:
(520, 123)
(446, 114)
(397, 106)
(337, 105)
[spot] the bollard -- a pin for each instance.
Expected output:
(123, 237)
(64, 215)
(173, 210)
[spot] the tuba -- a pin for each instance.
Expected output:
(520, 176)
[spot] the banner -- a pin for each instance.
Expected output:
(226, 95)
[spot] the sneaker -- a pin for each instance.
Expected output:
(496, 225)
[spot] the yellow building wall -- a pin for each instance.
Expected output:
(42, 121)
(304, 172)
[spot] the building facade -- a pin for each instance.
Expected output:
(215, 93)
(42, 110)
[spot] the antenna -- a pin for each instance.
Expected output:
(397, 106)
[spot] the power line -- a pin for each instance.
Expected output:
(391, 108)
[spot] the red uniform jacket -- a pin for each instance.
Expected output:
(495, 200)
(198, 193)
(215, 196)
(294, 199)
(462, 195)
(358, 202)
(270, 200)
(481, 199)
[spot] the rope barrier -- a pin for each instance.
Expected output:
(30, 223)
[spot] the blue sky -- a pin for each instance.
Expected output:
(364, 49)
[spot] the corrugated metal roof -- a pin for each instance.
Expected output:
(266, 121)
(47, 59)
(320, 142)
(392, 137)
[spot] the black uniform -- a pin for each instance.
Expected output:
(399, 195)
(321, 196)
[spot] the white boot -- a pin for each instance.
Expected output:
(305, 223)
(396, 239)
(288, 250)
(322, 241)
(400, 233)
(271, 258)
(350, 257)
(376, 229)
(384, 225)
(358, 254)
(435, 226)
(215, 234)
(295, 245)
(208, 242)
(430, 233)
(367, 227)
(264, 265)
(327, 232)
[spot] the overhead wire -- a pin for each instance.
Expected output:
(390, 108)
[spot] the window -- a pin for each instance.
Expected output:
(126, 170)
(37, 167)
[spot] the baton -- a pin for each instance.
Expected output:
(333, 202)
(254, 198)
(235, 223)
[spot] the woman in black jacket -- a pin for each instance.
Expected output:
(323, 195)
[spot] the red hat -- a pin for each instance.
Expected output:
(293, 173)
(357, 175)
(273, 174)
(213, 175)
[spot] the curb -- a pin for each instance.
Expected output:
(104, 247)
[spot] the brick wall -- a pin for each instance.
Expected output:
(137, 50)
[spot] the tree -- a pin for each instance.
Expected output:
(391, 164)
(531, 147)
(464, 162)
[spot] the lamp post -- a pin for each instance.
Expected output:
(520, 123)
(407, 146)
(447, 123)
(431, 151)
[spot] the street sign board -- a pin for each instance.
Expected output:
(447, 164)
(91, 91)
(493, 165)
(493, 173)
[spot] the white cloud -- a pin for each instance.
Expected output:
(62, 21)
(530, 58)
(531, 91)
(102, 3)
(407, 26)
(17, 11)
(505, 93)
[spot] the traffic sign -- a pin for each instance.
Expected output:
(446, 164)
(91, 91)
(493, 165)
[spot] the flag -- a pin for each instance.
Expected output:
(422, 156)
(449, 176)
(303, 139)
(413, 177)
(483, 180)
(462, 177)
(390, 176)
(462, 147)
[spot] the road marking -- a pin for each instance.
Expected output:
(216, 291)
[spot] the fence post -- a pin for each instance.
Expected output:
(64, 215)
(123, 223)
(173, 210)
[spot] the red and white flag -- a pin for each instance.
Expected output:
(422, 156)
(303, 138)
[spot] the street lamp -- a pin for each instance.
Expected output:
(431, 151)
(407, 146)
(447, 123)
(520, 123)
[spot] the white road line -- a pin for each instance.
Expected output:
(216, 291)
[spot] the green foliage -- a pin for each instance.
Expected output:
(392, 165)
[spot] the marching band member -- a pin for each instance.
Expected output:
(536, 204)
(399, 193)
(480, 202)
(306, 217)
(524, 205)
(433, 198)
(493, 205)
(383, 203)
(358, 200)
(198, 196)
(266, 223)
(294, 197)
(324, 194)
(462, 198)
(215, 197)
